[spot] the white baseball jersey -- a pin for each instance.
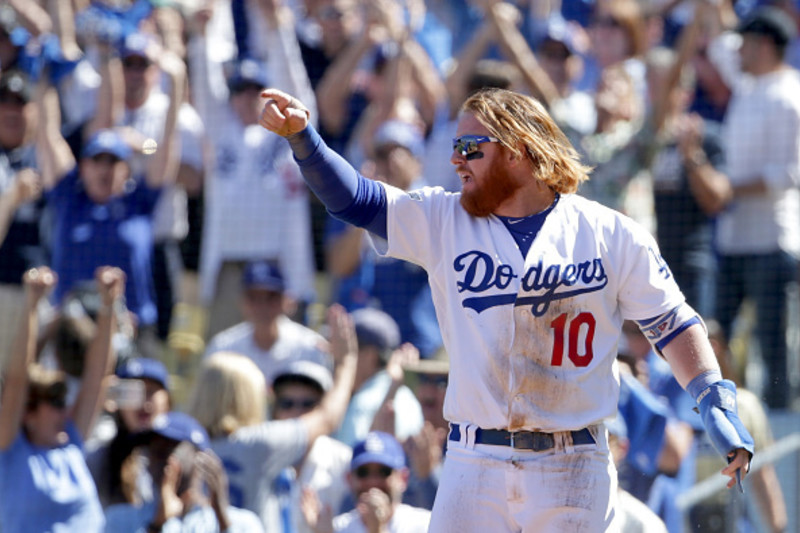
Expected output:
(256, 201)
(532, 340)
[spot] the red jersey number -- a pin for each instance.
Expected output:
(569, 333)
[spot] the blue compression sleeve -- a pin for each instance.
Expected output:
(347, 194)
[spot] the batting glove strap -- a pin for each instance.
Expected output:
(717, 405)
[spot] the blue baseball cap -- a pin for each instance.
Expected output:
(399, 133)
(144, 368)
(107, 141)
(560, 31)
(247, 72)
(181, 427)
(263, 275)
(378, 447)
(376, 328)
(136, 44)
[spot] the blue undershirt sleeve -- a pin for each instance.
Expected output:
(346, 194)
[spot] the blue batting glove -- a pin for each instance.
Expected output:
(717, 404)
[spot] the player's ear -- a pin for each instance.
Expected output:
(515, 157)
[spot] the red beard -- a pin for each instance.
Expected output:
(484, 199)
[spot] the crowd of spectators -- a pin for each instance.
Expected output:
(188, 340)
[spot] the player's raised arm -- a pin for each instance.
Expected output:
(347, 194)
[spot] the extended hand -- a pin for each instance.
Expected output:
(319, 517)
(283, 113)
(343, 340)
(213, 474)
(170, 504)
(110, 283)
(725, 430)
(406, 355)
(27, 187)
(739, 462)
(375, 509)
(37, 282)
(689, 131)
(424, 450)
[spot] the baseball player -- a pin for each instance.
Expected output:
(531, 285)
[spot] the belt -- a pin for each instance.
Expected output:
(536, 441)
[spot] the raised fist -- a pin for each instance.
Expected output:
(283, 114)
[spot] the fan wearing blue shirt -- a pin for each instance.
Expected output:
(101, 214)
(45, 484)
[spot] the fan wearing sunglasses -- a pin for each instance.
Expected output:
(229, 399)
(378, 478)
(298, 388)
(531, 284)
(45, 484)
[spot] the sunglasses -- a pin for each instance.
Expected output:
(105, 158)
(605, 22)
(57, 402)
(289, 403)
(136, 63)
(331, 13)
(55, 396)
(8, 97)
(438, 381)
(467, 145)
(365, 471)
(245, 86)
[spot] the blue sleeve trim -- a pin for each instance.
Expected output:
(368, 209)
(645, 323)
(666, 340)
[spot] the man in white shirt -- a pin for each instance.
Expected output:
(268, 336)
(758, 229)
(256, 204)
(378, 478)
(298, 388)
(145, 110)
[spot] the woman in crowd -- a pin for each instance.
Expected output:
(229, 400)
(44, 482)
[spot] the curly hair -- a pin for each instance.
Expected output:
(520, 123)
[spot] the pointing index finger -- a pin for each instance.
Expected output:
(280, 98)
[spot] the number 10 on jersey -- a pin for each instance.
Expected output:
(573, 336)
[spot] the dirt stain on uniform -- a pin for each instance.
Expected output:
(537, 387)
